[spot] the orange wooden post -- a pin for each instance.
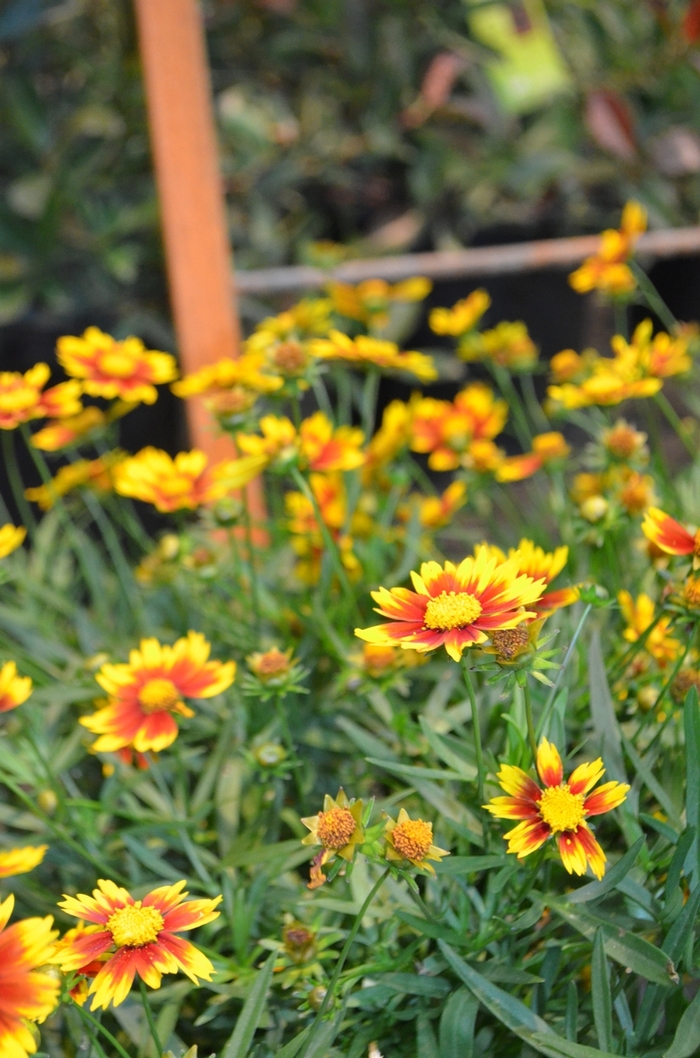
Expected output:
(185, 156)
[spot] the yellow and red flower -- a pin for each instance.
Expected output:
(97, 474)
(61, 432)
(607, 270)
(434, 512)
(411, 841)
(185, 482)
(669, 535)
(507, 345)
(145, 692)
(14, 689)
(639, 615)
(454, 606)
(544, 565)
(366, 350)
(323, 448)
(140, 937)
(11, 537)
(369, 302)
(25, 994)
(111, 369)
(23, 397)
(561, 809)
(337, 829)
(547, 448)
(20, 861)
(447, 430)
(462, 317)
(230, 386)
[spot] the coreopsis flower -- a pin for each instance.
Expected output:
(370, 301)
(325, 449)
(691, 593)
(14, 689)
(79, 991)
(660, 356)
(411, 841)
(271, 664)
(636, 491)
(609, 382)
(307, 537)
(434, 512)
(670, 536)
(11, 537)
(97, 474)
(185, 482)
(507, 345)
(21, 860)
(393, 435)
(337, 829)
(549, 447)
(639, 615)
(607, 270)
(23, 397)
(365, 350)
(140, 937)
(454, 606)
(462, 317)
(145, 693)
(230, 386)
(110, 368)
(561, 809)
(625, 442)
(448, 430)
(62, 432)
(539, 564)
(26, 995)
(568, 365)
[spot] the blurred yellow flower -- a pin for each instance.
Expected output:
(607, 270)
(11, 537)
(23, 397)
(109, 368)
(369, 302)
(639, 615)
(21, 860)
(227, 379)
(508, 345)
(374, 351)
(61, 432)
(462, 317)
(97, 474)
(14, 689)
(447, 429)
(185, 482)
(26, 995)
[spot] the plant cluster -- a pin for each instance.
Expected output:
(386, 825)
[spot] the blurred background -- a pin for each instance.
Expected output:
(348, 128)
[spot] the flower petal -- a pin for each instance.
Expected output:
(549, 764)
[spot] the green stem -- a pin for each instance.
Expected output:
(530, 721)
(116, 553)
(533, 405)
(149, 1017)
(620, 314)
(296, 410)
(508, 390)
(16, 484)
(330, 991)
(652, 297)
(673, 419)
(477, 731)
(370, 392)
(254, 586)
(562, 670)
(329, 543)
(89, 1020)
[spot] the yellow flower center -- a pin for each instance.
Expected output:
(413, 838)
(133, 926)
(691, 592)
(335, 827)
(451, 609)
(158, 695)
(116, 364)
(561, 809)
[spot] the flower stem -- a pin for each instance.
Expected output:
(330, 544)
(530, 722)
(149, 1018)
(370, 391)
(562, 670)
(477, 731)
(89, 1020)
(330, 991)
(15, 479)
(669, 412)
(652, 297)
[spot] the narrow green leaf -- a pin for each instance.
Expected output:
(555, 1047)
(469, 864)
(624, 947)
(673, 876)
(651, 782)
(691, 724)
(687, 1038)
(457, 1025)
(676, 938)
(412, 772)
(238, 1043)
(447, 751)
(414, 984)
(429, 929)
(605, 722)
(571, 1019)
(594, 890)
(600, 993)
(294, 1046)
(425, 1039)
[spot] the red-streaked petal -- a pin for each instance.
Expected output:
(594, 853)
(527, 837)
(512, 808)
(667, 533)
(189, 959)
(157, 732)
(549, 765)
(83, 950)
(191, 914)
(166, 897)
(608, 796)
(584, 778)
(517, 783)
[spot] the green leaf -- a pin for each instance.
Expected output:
(600, 992)
(691, 725)
(555, 1047)
(414, 984)
(469, 864)
(294, 1046)
(653, 785)
(429, 929)
(687, 1038)
(677, 936)
(412, 772)
(603, 712)
(447, 750)
(238, 1043)
(673, 876)
(613, 877)
(624, 947)
(509, 1010)
(457, 1025)
(425, 1039)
